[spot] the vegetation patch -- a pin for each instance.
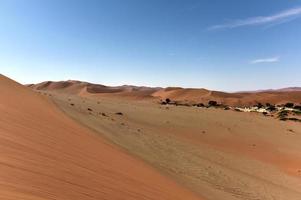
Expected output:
(297, 112)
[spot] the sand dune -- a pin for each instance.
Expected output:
(89, 89)
(287, 89)
(219, 154)
(46, 155)
(231, 99)
(281, 96)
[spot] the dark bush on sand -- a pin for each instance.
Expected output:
(289, 105)
(297, 107)
(212, 103)
(271, 108)
(294, 119)
(259, 105)
(283, 114)
(199, 105)
(167, 101)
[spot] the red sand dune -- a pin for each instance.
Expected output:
(281, 96)
(231, 99)
(84, 88)
(46, 155)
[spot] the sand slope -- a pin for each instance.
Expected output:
(220, 154)
(46, 155)
(281, 96)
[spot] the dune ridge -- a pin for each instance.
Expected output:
(189, 95)
(47, 155)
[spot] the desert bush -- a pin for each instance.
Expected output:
(200, 105)
(271, 108)
(212, 103)
(163, 103)
(297, 112)
(294, 119)
(289, 105)
(119, 113)
(259, 105)
(167, 100)
(89, 109)
(297, 107)
(283, 114)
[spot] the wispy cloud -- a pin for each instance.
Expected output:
(278, 18)
(265, 60)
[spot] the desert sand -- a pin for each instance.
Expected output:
(186, 95)
(46, 155)
(216, 153)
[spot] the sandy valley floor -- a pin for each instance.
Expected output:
(221, 155)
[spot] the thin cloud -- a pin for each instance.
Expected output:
(281, 17)
(266, 60)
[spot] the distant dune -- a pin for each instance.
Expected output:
(287, 89)
(46, 155)
(84, 88)
(280, 96)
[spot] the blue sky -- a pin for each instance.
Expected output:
(223, 45)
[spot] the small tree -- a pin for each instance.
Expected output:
(167, 100)
(212, 103)
(289, 105)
